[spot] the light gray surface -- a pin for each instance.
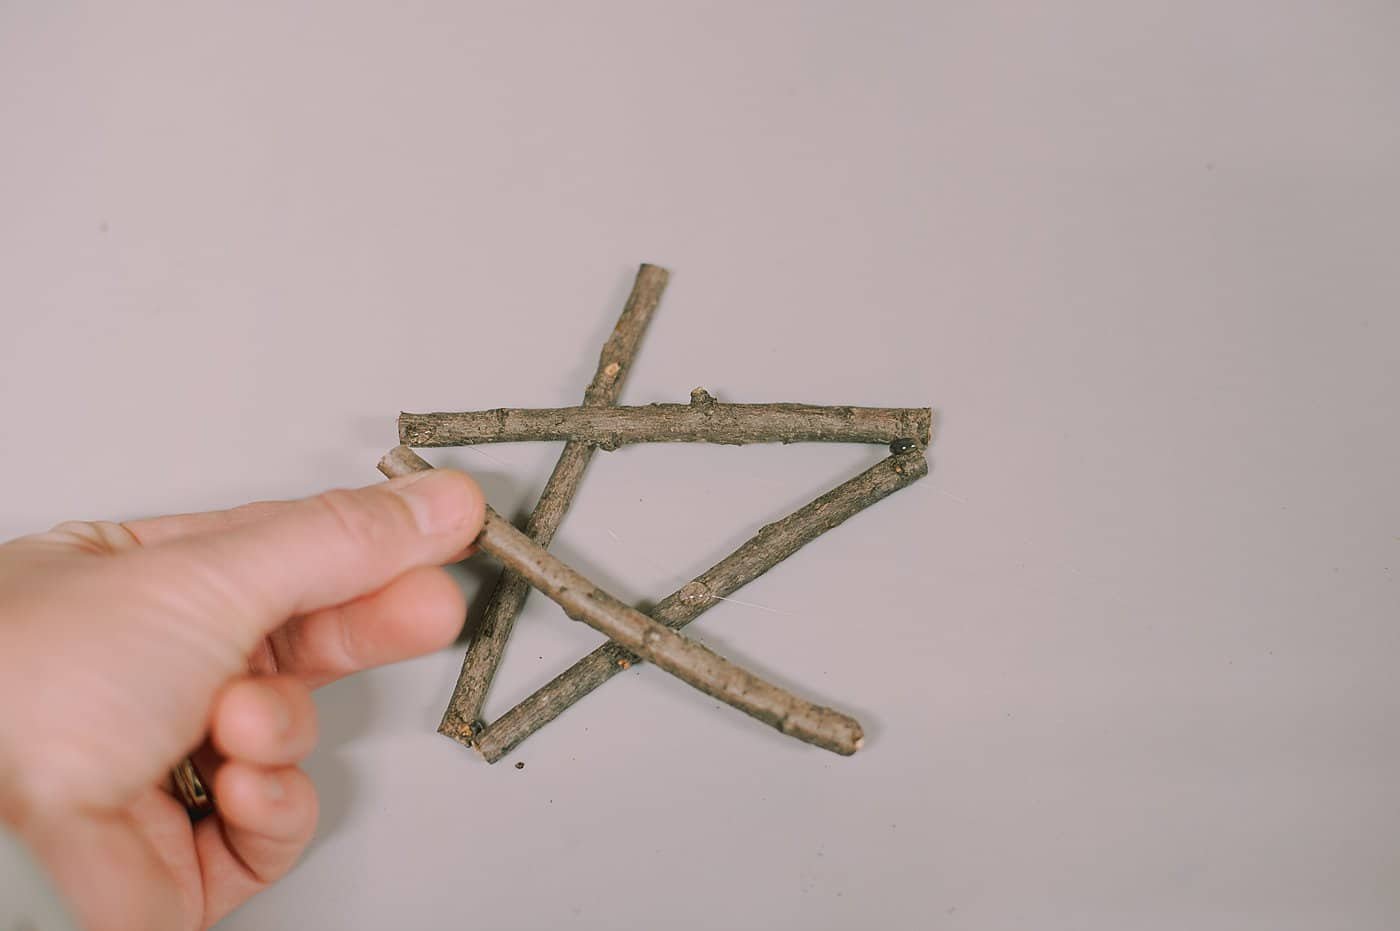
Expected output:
(1132, 663)
(28, 899)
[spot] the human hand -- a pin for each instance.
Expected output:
(124, 647)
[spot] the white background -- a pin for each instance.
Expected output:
(1127, 657)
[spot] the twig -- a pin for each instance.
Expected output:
(770, 546)
(461, 719)
(703, 420)
(687, 660)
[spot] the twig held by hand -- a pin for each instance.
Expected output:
(770, 546)
(703, 420)
(689, 661)
(461, 719)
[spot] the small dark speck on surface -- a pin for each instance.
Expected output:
(904, 445)
(520, 765)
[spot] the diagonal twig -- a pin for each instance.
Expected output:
(687, 660)
(703, 420)
(461, 720)
(772, 544)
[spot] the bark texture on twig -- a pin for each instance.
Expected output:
(770, 546)
(692, 663)
(703, 420)
(461, 719)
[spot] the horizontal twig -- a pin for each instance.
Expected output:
(687, 660)
(770, 546)
(703, 420)
(460, 719)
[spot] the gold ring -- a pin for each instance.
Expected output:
(191, 790)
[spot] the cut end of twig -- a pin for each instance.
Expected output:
(825, 728)
(913, 465)
(928, 424)
(402, 461)
(413, 431)
(454, 729)
(846, 744)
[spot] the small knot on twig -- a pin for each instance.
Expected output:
(694, 593)
(699, 397)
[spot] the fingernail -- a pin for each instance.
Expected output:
(272, 788)
(440, 500)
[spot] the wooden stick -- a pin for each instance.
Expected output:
(461, 719)
(685, 659)
(770, 546)
(703, 420)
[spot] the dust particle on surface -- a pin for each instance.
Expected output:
(520, 765)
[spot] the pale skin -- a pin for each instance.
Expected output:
(126, 647)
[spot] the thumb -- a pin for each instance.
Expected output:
(332, 548)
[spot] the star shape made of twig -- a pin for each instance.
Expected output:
(599, 423)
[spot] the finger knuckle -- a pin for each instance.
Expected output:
(356, 519)
(99, 536)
